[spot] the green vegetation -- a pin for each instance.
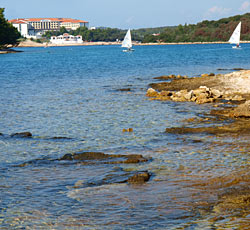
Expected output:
(100, 34)
(8, 34)
(205, 31)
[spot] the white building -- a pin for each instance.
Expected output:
(66, 39)
(25, 29)
(35, 27)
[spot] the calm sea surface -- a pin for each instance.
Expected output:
(75, 93)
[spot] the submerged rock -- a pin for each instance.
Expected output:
(238, 127)
(139, 178)
(95, 157)
(125, 89)
(242, 110)
(170, 77)
(22, 134)
(61, 138)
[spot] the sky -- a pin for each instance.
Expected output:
(125, 14)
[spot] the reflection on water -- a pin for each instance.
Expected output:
(70, 100)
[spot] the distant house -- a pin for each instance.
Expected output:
(35, 27)
(66, 39)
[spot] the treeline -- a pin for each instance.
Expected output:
(8, 34)
(100, 34)
(205, 31)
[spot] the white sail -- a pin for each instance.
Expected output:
(127, 42)
(235, 38)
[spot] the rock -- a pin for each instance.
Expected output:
(205, 75)
(139, 178)
(242, 110)
(164, 77)
(170, 77)
(100, 157)
(166, 93)
(22, 134)
(188, 96)
(128, 130)
(125, 89)
(216, 93)
(238, 98)
(151, 93)
(199, 91)
(238, 128)
(61, 138)
(204, 98)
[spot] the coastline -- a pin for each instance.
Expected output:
(35, 44)
(229, 95)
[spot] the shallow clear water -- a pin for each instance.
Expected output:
(74, 92)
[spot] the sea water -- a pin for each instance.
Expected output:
(76, 99)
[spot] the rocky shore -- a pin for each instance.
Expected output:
(229, 94)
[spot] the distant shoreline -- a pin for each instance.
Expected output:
(35, 44)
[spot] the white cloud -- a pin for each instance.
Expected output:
(245, 6)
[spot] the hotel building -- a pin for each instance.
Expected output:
(35, 27)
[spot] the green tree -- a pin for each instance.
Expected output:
(63, 30)
(8, 33)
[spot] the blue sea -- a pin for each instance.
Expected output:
(76, 99)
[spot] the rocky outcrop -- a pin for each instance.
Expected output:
(232, 87)
(201, 95)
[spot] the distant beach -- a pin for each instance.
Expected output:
(29, 43)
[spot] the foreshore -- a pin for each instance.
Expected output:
(229, 95)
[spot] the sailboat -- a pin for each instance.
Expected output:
(127, 42)
(235, 38)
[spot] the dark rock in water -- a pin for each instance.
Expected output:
(170, 77)
(61, 138)
(1, 134)
(139, 178)
(125, 89)
(22, 134)
(104, 158)
(238, 69)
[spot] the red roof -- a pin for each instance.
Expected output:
(23, 20)
(18, 21)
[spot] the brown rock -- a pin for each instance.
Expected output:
(151, 93)
(128, 130)
(139, 178)
(242, 110)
